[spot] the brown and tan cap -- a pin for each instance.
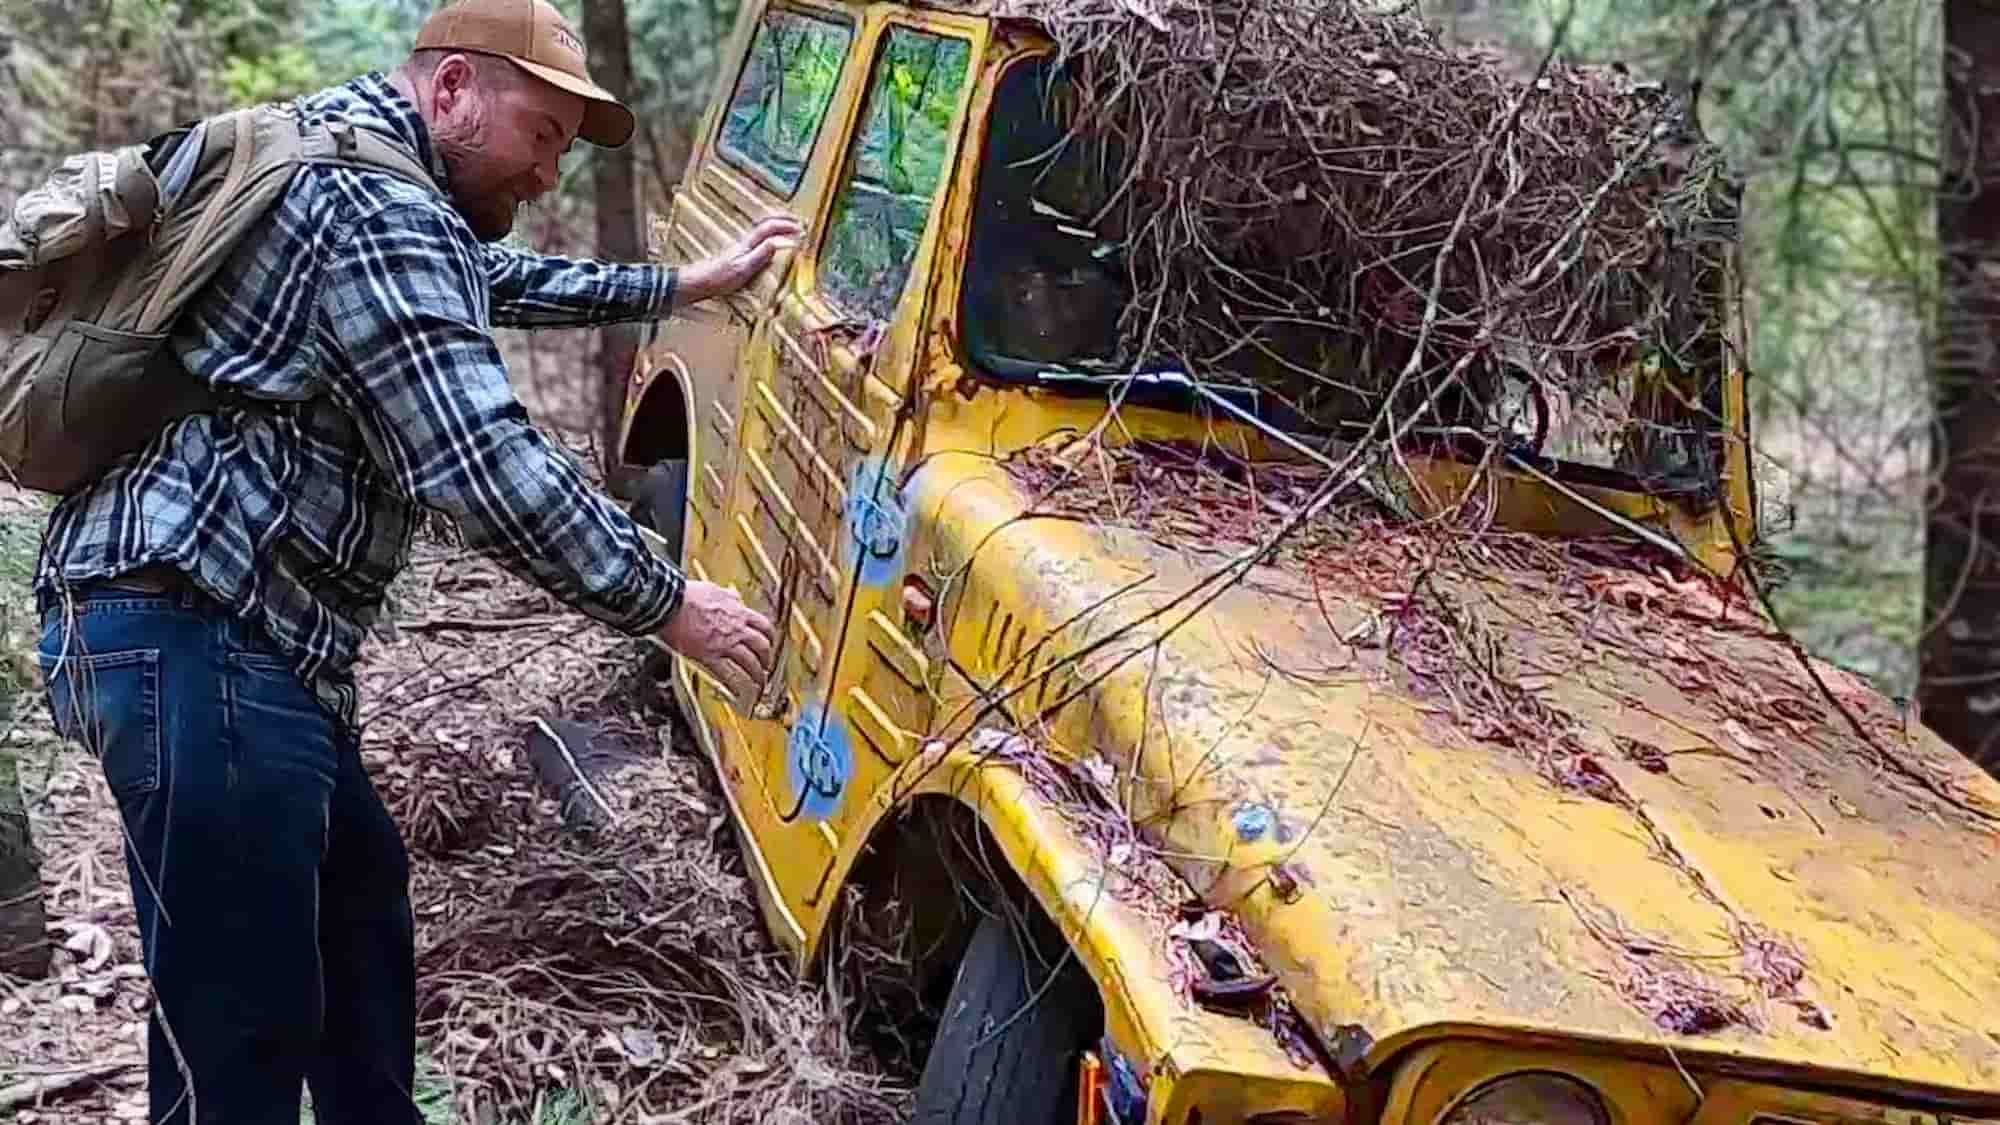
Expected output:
(533, 36)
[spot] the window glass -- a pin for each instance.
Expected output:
(895, 167)
(782, 95)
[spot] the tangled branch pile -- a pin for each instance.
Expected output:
(1321, 197)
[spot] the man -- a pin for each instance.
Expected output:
(203, 603)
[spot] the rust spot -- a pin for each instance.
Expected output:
(1645, 755)
(1585, 774)
(1285, 883)
(1234, 997)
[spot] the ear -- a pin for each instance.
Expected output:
(453, 85)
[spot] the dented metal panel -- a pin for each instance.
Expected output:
(1439, 884)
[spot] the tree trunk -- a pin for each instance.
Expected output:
(24, 929)
(618, 234)
(1959, 689)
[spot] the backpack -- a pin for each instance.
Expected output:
(98, 261)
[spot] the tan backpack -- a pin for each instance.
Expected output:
(98, 261)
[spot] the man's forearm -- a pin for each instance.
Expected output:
(549, 291)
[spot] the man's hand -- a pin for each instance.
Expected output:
(739, 265)
(731, 641)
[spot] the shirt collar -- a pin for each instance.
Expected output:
(372, 102)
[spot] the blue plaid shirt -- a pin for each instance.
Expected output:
(359, 319)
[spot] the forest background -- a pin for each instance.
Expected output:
(1830, 109)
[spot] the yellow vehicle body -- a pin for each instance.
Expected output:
(1450, 915)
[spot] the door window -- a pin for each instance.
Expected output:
(894, 169)
(782, 95)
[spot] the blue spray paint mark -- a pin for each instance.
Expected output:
(1126, 1091)
(1252, 821)
(819, 763)
(877, 524)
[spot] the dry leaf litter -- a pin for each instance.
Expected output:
(628, 966)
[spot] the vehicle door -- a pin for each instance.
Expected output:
(767, 147)
(756, 161)
(822, 430)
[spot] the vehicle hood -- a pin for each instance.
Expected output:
(1495, 784)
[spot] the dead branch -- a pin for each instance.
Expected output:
(480, 624)
(32, 1091)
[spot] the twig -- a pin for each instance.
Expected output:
(1882, 754)
(482, 625)
(513, 659)
(31, 1091)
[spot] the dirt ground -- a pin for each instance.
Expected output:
(565, 976)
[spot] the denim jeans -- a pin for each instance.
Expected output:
(271, 885)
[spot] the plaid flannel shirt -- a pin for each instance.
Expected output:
(358, 324)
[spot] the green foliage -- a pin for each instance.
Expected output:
(348, 37)
(285, 50)
(1859, 609)
(775, 112)
(565, 1108)
(87, 71)
(1829, 111)
(676, 47)
(432, 1095)
(20, 545)
(284, 73)
(896, 170)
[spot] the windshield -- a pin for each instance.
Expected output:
(1047, 284)
(1044, 288)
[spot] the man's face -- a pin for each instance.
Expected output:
(501, 132)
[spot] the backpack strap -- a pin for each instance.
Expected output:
(338, 142)
(263, 145)
(194, 257)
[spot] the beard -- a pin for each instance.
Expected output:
(479, 191)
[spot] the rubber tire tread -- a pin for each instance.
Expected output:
(1024, 1073)
(661, 503)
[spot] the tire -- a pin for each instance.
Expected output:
(993, 1062)
(661, 503)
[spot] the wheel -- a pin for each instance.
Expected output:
(661, 503)
(996, 1058)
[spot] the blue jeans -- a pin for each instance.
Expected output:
(271, 885)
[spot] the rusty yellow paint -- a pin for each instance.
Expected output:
(1448, 921)
(1436, 873)
(1522, 503)
(1438, 1075)
(1198, 1058)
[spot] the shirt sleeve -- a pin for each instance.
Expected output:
(545, 291)
(417, 368)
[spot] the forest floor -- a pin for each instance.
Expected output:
(563, 977)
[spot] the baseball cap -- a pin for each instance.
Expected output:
(533, 36)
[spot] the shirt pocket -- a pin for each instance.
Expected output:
(109, 703)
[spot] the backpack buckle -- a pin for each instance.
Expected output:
(345, 143)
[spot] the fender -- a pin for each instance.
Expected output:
(1190, 1057)
(658, 421)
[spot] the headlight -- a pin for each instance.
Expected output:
(1533, 1098)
